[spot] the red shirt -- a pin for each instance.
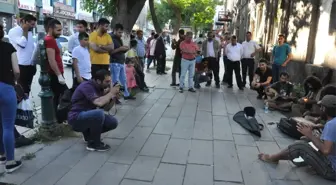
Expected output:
(189, 46)
(50, 42)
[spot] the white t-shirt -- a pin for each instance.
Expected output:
(24, 47)
(234, 53)
(152, 47)
(84, 64)
(249, 48)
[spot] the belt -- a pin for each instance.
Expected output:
(248, 58)
(189, 59)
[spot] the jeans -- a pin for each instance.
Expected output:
(8, 106)
(93, 123)
(151, 59)
(118, 74)
(187, 65)
(247, 67)
(176, 68)
(276, 70)
(26, 77)
(142, 62)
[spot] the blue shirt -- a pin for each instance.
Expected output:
(280, 53)
(141, 47)
(73, 42)
(199, 59)
(329, 134)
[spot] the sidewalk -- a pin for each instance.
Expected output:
(168, 138)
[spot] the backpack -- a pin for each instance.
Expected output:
(288, 127)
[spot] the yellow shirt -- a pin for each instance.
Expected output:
(100, 58)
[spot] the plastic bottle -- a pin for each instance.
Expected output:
(266, 107)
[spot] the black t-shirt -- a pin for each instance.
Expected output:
(264, 75)
(283, 88)
(6, 69)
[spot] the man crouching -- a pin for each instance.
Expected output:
(87, 114)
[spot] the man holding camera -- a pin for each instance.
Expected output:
(87, 115)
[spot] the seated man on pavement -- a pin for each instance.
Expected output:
(280, 94)
(313, 87)
(86, 114)
(322, 159)
(262, 78)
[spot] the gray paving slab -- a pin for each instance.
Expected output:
(109, 173)
(188, 110)
(218, 105)
(203, 130)
(156, 94)
(201, 152)
(226, 163)
(227, 183)
(168, 94)
(143, 168)
(286, 182)
(244, 139)
(149, 120)
(172, 112)
(184, 128)
(134, 182)
(165, 126)
(231, 103)
(235, 127)
(177, 151)
(126, 126)
(168, 174)
(222, 128)
(155, 145)
(198, 175)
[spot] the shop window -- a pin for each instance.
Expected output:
(332, 24)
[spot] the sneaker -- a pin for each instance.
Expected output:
(181, 90)
(129, 97)
(208, 84)
(197, 86)
(102, 147)
(173, 84)
(12, 167)
(3, 160)
(23, 141)
(145, 89)
(191, 90)
(241, 88)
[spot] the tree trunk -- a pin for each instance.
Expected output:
(312, 32)
(177, 11)
(155, 21)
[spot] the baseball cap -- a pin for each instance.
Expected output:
(328, 101)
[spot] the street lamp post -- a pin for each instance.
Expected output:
(46, 95)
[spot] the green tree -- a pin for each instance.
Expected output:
(196, 13)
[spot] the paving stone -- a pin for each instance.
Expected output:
(148, 101)
(307, 177)
(168, 94)
(265, 133)
(204, 101)
(227, 183)
(192, 99)
(43, 157)
(254, 171)
(165, 126)
(178, 100)
(243, 101)
(201, 152)
(177, 151)
(221, 128)
(169, 174)
(130, 148)
(62, 164)
(155, 145)
(157, 109)
(143, 168)
(231, 103)
(203, 130)
(283, 142)
(87, 167)
(109, 173)
(283, 170)
(172, 112)
(198, 175)
(134, 182)
(226, 164)
(188, 111)
(184, 128)
(149, 120)
(286, 182)
(218, 105)
(156, 94)
(245, 140)
(126, 126)
(235, 127)
(142, 109)
(203, 116)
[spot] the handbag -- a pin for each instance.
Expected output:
(24, 114)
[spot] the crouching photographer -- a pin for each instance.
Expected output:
(87, 115)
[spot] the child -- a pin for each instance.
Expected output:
(201, 70)
(131, 61)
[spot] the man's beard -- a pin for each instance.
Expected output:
(30, 29)
(55, 35)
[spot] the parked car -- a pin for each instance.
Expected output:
(64, 42)
(67, 58)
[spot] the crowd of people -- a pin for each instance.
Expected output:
(106, 69)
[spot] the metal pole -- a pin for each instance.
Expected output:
(46, 95)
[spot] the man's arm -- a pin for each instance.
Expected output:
(76, 69)
(325, 147)
(17, 38)
(15, 66)
(96, 48)
(71, 44)
(289, 58)
(52, 61)
(268, 81)
(108, 48)
(103, 100)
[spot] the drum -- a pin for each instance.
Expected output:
(303, 121)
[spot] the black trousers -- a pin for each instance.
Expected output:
(247, 67)
(97, 67)
(57, 88)
(260, 90)
(225, 76)
(27, 74)
(213, 65)
(140, 77)
(176, 69)
(234, 66)
(161, 64)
